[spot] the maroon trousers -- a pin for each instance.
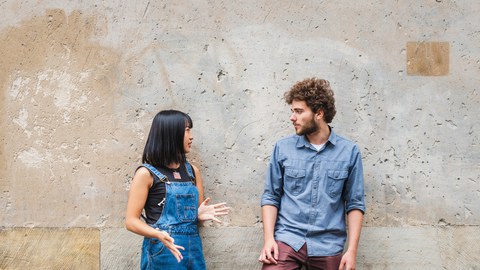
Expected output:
(289, 259)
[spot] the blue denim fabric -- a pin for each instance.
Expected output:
(156, 256)
(179, 219)
(313, 190)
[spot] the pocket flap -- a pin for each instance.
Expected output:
(337, 174)
(295, 173)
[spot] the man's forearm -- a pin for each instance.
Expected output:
(355, 219)
(269, 216)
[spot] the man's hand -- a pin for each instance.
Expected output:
(348, 261)
(269, 254)
(168, 242)
(211, 212)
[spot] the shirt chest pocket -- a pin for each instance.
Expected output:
(294, 180)
(336, 180)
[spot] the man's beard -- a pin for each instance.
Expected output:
(309, 128)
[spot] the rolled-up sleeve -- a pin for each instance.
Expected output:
(273, 181)
(353, 193)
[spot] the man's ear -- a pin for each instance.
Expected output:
(319, 114)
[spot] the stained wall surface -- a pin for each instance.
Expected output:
(80, 82)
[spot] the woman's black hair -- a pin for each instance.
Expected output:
(165, 140)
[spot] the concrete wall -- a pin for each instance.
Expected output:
(81, 81)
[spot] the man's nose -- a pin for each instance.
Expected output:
(293, 118)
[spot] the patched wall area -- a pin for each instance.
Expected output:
(58, 124)
(81, 82)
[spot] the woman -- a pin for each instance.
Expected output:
(169, 191)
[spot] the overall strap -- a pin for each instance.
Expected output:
(160, 175)
(190, 171)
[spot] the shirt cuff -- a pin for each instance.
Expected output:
(355, 207)
(269, 201)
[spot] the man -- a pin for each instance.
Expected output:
(314, 179)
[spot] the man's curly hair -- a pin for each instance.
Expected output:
(316, 93)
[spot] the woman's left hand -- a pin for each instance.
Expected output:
(211, 212)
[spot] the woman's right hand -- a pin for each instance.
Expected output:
(211, 212)
(169, 243)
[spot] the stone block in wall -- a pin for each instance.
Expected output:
(429, 247)
(425, 247)
(224, 248)
(120, 249)
(49, 248)
(232, 247)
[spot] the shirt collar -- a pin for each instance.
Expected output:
(303, 142)
(333, 136)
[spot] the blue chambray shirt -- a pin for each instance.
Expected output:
(313, 190)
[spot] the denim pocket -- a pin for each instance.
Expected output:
(294, 180)
(156, 247)
(186, 207)
(336, 179)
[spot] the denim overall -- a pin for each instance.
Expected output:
(179, 219)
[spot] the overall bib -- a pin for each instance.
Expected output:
(179, 220)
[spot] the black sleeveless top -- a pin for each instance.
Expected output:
(156, 195)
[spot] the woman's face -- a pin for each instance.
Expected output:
(187, 141)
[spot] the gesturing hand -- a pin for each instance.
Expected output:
(168, 242)
(211, 212)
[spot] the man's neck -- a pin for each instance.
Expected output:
(319, 137)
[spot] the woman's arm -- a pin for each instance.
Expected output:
(199, 184)
(205, 211)
(137, 196)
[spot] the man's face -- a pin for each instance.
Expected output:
(303, 119)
